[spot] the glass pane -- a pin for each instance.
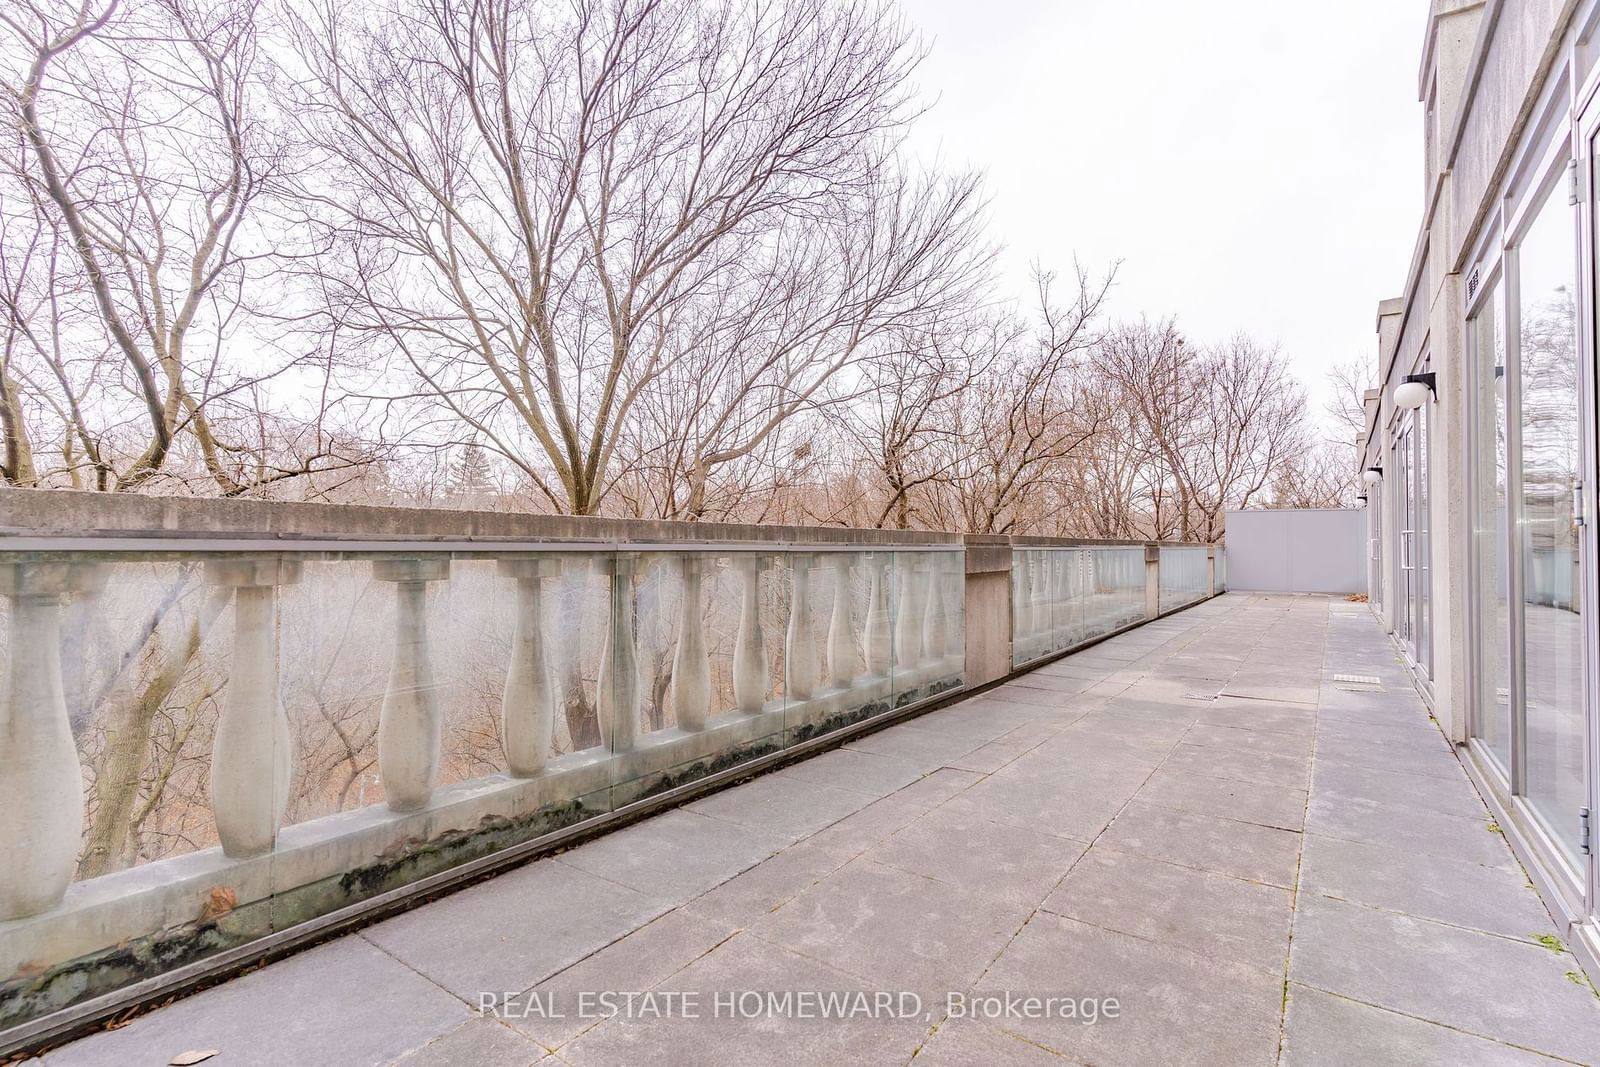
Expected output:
(1424, 644)
(1490, 554)
(1553, 641)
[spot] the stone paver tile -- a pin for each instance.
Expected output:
(928, 749)
(515, 930)
(982, 718)
(783, 806)
(1244, 739)
(936, 787)
(1397, 790)
(482, 1041)
(873, 823)
(1034, 806)
(1511, 991)
(1051, 683)
(964, 1042)
(901, 930)
(1174, 1006)
(1254, 802)
(863, 772)
(767, 886)
(751, 1035)
(1283, 694)
(1438, 761)
(1496, 899)
(566, 1004)
(962, 849)
(993, 756)
(1032, 697)
(345, 1002)
(675, 855)
(1328, 1031)
(1268, 768)
(1428, 833)
(1211, 914)
(1294, 720)
(1226, 846)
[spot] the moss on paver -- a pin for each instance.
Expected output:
(1551, 942)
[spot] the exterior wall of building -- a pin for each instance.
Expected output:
(1294, 550)
(1511, 94)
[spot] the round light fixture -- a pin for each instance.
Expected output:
(1411, 395)
(1372, 475)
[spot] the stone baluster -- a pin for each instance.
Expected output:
(250, 755)
(41, 785)
(528, 705)
(618, 684)
(1060, 598)
(749, 648)
(800, 643)
(934, 628)
(908, 619)
(1024, 594)
(691, 666)
(879, 636)
(841, 638)
(410, 723)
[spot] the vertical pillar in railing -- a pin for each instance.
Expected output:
(800, 643)
(41, 785)
(618, 683)
(691, 666)
(749, 650)
(1152, 581)
(250, 764)
(841, 637)
(1023, 562)
(410, 723)
(1211, 570)
(908, 617)
(528, 705)
(1059, 558)
(880, 634)
(934, 629)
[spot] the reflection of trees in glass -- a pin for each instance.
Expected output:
(1548, 370)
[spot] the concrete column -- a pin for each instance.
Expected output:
(618, 683)
(986, 592)
(41, 785)
(1152, 581)
(410, 723)
(879, 636)
(691, 666)
(528, 705)
(841, 638)
(800, 643)
(749, 650)
(250, 756)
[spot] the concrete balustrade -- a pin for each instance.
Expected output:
(528, 705)
(749, 649)
(250, 757)
(410, 722)
(800, 640)
(940, 613)
(41, 786)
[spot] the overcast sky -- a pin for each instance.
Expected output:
(1255, 164)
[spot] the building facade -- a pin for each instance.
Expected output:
(1478, 452)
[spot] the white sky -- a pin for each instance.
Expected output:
(1255, 164)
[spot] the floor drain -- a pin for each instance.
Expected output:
(1359, 683)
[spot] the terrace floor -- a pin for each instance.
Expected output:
(1192, 818)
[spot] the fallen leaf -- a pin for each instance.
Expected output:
(194, 1055)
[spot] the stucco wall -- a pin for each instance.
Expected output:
(1293, 551)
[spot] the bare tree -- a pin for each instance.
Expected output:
(557, 216)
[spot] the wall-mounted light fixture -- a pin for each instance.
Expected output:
(1372, 475)
(1362, 498)
(1414, 391)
